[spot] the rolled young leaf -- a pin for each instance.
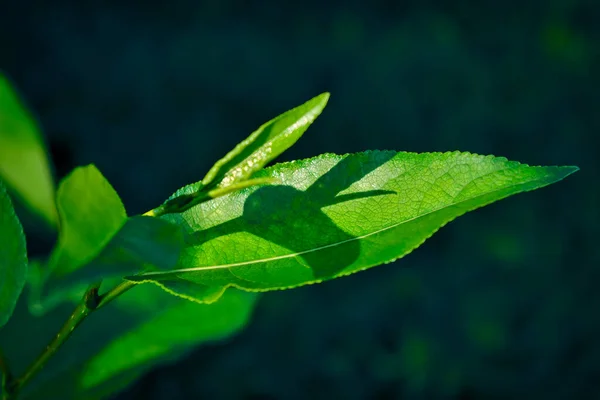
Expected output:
(138, 330)
(142, 244)
(13, 257)
(265, 144)
(251, 155)
(335, 215)
(24, 164)
(91, 213)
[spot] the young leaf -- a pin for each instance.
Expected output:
(263, 145)
(91, 213)
(336, 215)
(13, 257)
(180, 203)
(144, 243)
(24, 164)
(232, 171)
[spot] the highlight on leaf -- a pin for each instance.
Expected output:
(265, 144)
(232, 172)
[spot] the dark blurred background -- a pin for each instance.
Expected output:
(503, 303)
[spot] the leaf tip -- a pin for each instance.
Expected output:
(563, 171)
(320, 101)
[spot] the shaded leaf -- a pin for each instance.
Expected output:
(24, 163)
(114, 346)
(142, 244)
(91, 213)
(13, 257)
(336, 215)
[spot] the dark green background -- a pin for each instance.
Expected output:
(502, 303)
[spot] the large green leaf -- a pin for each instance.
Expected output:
(13, 257)
(24, 164)
(333, 216)
(262, 146)
(91, 213)
(115, 345)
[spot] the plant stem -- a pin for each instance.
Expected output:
(90, 302)
(6, 376)
(61, 337)
(114, 293)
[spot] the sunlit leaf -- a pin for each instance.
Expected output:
(336, 215)
(266, 143)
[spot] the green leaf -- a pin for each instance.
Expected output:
(91, 213)
(266, 143)
(142, 244)
(114, 346)
(261, 147)
(336, 215)
(24, 164)
(13, 257)
(184, 324)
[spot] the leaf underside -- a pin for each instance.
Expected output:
(332, 216)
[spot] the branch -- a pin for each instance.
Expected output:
(6, 376)
(90, 302)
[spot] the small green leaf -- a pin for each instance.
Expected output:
(144, 243)
(91, 213)
(13, 257)
(232, 171)
(265, 144)
(166, 335)
(336, 215)
(24, 163)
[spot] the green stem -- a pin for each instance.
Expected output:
(114, 293)
(90, 302)
(6, 376)
(61, 337)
